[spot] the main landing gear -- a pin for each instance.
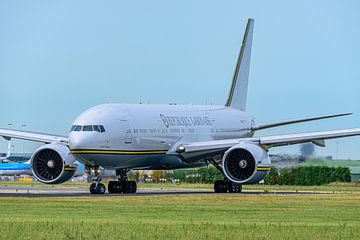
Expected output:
(224, 186)
(122, 185)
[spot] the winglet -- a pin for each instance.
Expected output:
(238, 91)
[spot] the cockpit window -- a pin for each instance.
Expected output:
(102, 129)
(87, 128)
(96, 128)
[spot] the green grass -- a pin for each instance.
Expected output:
(319, 216)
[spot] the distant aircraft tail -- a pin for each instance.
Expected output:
(239, 87)
(8, 154)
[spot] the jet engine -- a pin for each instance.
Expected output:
(246, 163)
(53, 164)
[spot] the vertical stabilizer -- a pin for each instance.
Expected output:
(8, 154)
(239, 87)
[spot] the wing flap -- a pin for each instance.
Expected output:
(32, 136)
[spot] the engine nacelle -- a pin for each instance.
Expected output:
(53, 163)
(246, 162)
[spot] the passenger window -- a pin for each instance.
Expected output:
(102, 129)
(77, 128)
(97, 128)
(88, 128)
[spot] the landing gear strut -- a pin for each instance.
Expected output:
(224, 186)
(97, 187)
(122, 185)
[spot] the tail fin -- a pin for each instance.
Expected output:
(239, 87)
(8, 154)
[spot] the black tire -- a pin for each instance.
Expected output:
(240, 188)
(93, 188)
(126, 187)
(135, 187)
(111, 187)
(101, 189)
(132, 187)
(234, 187)
(220, 186)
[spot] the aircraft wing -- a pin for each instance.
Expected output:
(278, 124)
(32, 136)
(317, 138)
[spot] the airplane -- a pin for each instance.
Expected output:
(8, 153)
(24, 168)
(122, 137)
(15, 169)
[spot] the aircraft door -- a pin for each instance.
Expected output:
(126, 131)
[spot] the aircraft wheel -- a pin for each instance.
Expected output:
(100, 188)
(93, 188)
(220, 186)
(132, 186)
(234, 187)
(126, 187)
(111, 187)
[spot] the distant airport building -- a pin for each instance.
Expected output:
(286, 161)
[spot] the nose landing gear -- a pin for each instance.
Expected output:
(122, 185)
(97, 187)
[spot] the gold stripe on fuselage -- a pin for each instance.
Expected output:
(118, 152)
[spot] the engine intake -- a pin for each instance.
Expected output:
(240, 163)
(53, 164)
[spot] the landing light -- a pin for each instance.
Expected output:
(181, 149)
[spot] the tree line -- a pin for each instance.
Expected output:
(302, 175)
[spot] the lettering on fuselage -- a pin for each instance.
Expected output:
(188, 121)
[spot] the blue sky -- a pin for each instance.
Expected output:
(59, 58)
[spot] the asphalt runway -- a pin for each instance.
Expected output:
(37, 192)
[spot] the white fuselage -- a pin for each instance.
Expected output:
(138, 136)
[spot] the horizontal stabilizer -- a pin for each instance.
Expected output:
(278, 124)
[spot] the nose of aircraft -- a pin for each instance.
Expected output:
(75, 141)
(80, 141)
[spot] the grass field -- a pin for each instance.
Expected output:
(319, 216)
